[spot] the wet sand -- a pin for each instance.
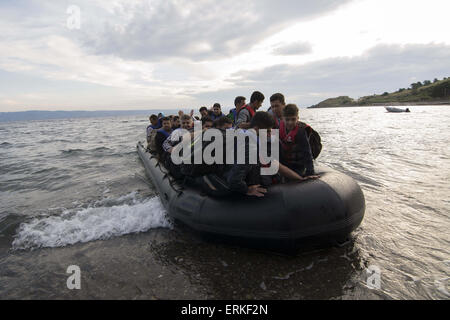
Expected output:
(177, 264)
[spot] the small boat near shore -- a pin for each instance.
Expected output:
(396, 110)
(290, 215)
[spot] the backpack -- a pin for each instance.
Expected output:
(314, 140)
(233, 116)
(151, 141)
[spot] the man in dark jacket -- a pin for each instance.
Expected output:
(295, 148)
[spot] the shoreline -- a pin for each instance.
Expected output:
(435, 103)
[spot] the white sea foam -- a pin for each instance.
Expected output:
(107, 218)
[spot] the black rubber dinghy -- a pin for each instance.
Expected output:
(329, 208)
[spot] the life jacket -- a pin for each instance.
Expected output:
(250, 110)
(277, 121)
(287, 140)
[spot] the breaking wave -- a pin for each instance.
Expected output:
(114, 217)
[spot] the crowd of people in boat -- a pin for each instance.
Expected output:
(300, 144)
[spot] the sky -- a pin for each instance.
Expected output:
(168, 54)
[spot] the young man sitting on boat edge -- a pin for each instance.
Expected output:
(296, 152)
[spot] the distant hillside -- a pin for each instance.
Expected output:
(437, 92)
(49, 115)
(333, 102)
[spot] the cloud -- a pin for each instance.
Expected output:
(196, 30)
(149, 45)
(293, 49)
(382, 68)
(186, 53)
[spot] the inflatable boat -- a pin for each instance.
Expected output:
(327, 209)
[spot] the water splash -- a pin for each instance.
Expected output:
(111, 219)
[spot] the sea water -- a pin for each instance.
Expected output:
(74, 191)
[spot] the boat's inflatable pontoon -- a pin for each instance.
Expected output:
(328, 208)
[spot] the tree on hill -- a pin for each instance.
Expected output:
(416, 85)
(418, 92)
(441, 90)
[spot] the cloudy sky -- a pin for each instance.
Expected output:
(143, 54)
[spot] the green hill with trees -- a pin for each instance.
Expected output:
(426, 92)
